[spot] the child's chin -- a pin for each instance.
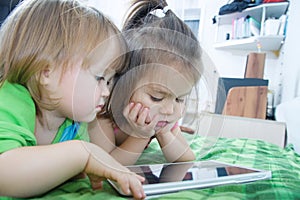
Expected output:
(89, 118)
(157, 128)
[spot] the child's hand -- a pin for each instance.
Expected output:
(139, 119)
(129, 182)
(130, 185)
(96, 182)
(100, 165)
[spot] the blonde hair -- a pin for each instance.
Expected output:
(43, 33)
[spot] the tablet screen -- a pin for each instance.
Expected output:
(174, 172)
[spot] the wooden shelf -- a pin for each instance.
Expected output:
(267, 43)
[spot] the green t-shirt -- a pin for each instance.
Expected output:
(17, 119)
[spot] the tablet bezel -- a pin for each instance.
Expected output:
(168, 187)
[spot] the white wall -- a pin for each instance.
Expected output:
(291, 57)
(114, 9)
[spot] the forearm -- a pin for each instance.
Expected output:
(102, 134)
(30, 171)
(130, 150)
(175, 148)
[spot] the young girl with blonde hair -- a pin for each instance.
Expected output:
(149, 99)
(56, 57)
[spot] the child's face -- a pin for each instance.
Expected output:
(165, 97)
(161, 102)
(82, 92)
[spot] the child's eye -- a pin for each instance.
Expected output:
(99, 78)
(156, 99)
(179, 100)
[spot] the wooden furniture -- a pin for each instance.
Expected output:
(247, 102)
(255, 65)
(245, 97)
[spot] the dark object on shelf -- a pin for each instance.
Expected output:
(6, 6)
(273, 1)
(238, 6)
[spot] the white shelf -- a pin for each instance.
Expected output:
(270, 9)
(260, 13)
(267, 43)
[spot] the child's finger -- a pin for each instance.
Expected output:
(167, 128)
(128, 108)
(96, 182)
(148, 118)
(133, 113)
(96, 185)
(134, 186)
(142, 116)
(154, 121)
(142, 179)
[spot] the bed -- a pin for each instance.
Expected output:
(283, 162)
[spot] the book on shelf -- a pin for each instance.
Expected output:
(283, 24)
(244, 27)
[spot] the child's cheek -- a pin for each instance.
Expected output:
(154, 110)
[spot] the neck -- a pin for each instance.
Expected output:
(49, 120)
(46, 127)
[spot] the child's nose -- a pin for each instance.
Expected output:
(167, 108)
(104, 90)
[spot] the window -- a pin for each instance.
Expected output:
(194, 25)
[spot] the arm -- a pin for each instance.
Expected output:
(131, 147)
(31, 171)
(102, 134)
(174, 146)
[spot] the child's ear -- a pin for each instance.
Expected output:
(45, 76)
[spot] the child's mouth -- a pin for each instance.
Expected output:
(99, 108)
(161, 124)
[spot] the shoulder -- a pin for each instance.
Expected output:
(17, 117)
(103, 125)
(17, 105)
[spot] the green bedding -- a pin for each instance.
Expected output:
(284, 164)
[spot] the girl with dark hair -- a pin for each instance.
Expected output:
(148, 100)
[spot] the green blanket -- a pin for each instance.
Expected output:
(284, 164)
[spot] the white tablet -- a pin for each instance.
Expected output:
(173, 177)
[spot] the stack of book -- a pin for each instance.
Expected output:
(244, 27)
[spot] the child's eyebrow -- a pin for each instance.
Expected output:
(109, 72)
(109, 75)
(161, 92)
(165, 92)
(157, 90)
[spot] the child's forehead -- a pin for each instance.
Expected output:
(166, 80)
(105, 54)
